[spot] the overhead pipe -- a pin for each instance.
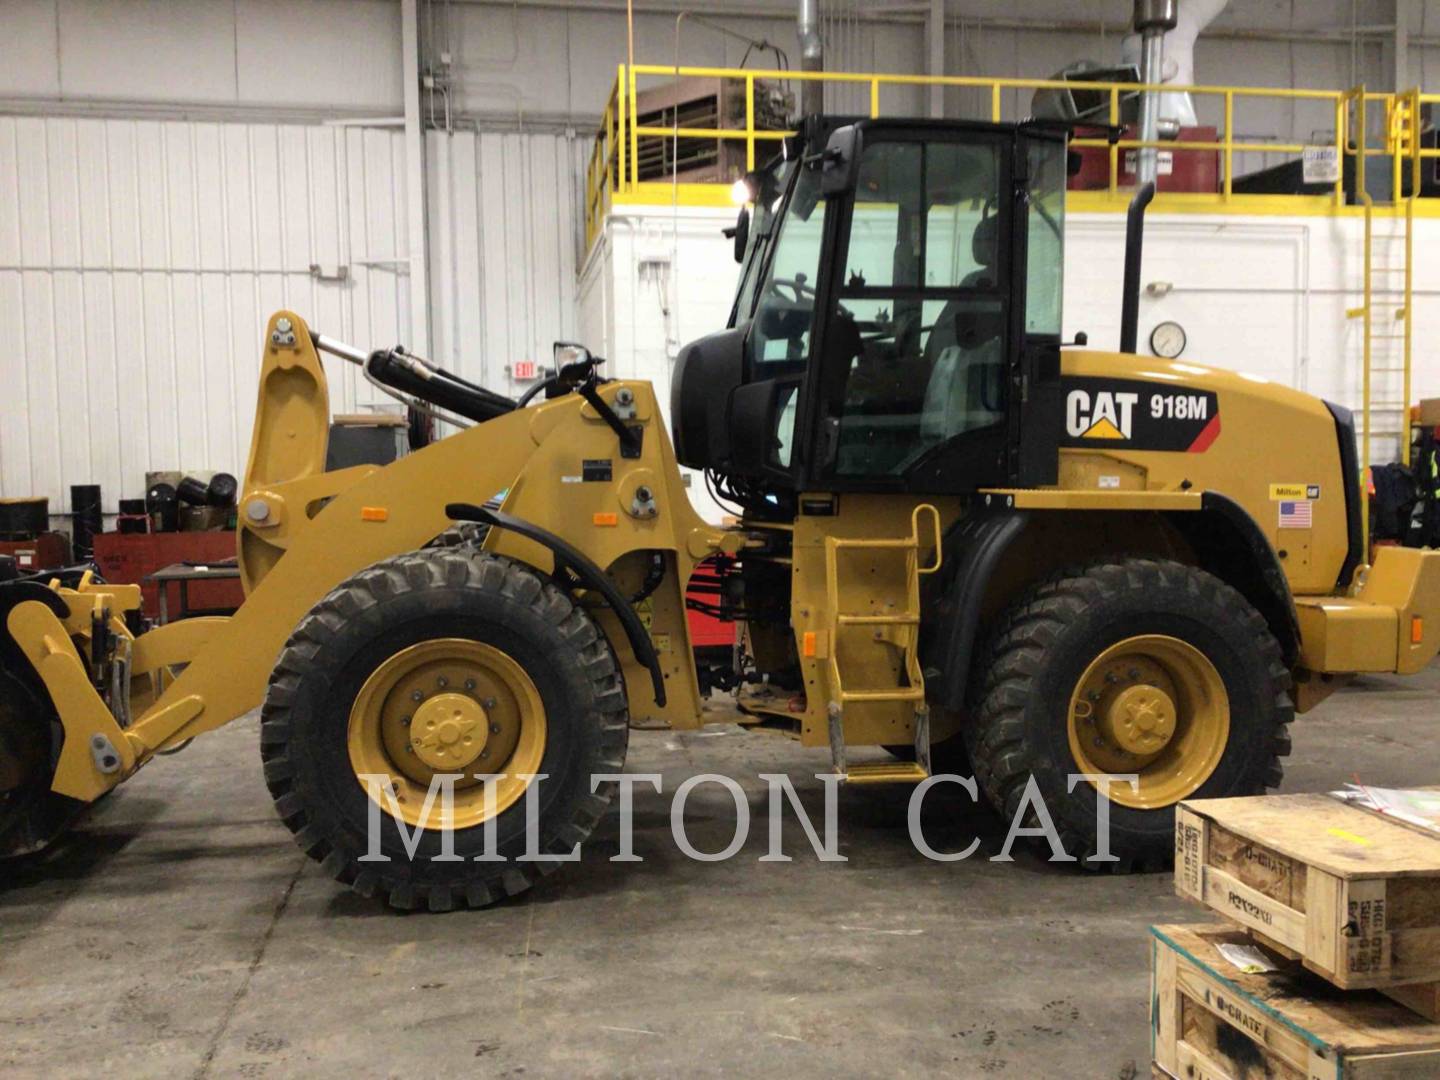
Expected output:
(1153, 19)
(1194, 18)
(812, 57)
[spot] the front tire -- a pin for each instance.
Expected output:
(445, 661)
(1139, 666)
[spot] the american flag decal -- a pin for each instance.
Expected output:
(1295, 514)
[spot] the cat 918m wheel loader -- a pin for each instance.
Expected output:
(953, 538)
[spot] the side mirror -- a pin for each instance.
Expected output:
(840, 163)
(759, 442)
(740, 233)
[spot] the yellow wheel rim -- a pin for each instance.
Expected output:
(447, 706)
(1154, 706)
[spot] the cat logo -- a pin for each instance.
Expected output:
(1108, 416)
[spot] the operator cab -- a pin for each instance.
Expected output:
(897, 322)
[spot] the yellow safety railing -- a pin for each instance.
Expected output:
(614, 173)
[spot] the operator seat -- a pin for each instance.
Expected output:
(964, 350)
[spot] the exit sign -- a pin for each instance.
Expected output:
(523, 369)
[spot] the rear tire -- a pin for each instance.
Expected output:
(1036, 713)
(484, 604)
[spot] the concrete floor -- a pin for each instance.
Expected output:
(179, 932)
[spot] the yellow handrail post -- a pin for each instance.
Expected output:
(1114, 152)
(1228, 162)
(1342, 117)
(620, 115)
(1395, 143)
(874, 97)
(634, 135)
(995, 101)
(1413, 145)
(749, 123)
(1362, 140)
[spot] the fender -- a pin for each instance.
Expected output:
(1225, 538)
(974, 546)
(578, 563)
(1231, 546)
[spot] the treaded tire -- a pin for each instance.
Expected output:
(949, 755)
(461, 534)
(444, 592)
(1044, 643)
(31, 815)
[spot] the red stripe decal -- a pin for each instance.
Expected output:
(1208, 434)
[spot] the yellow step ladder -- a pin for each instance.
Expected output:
(1402, 146)
(903, 631)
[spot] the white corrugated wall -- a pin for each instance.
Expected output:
(504, 242)
(139, 260)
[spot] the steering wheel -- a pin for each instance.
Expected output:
(800, 289)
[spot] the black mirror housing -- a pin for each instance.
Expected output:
(840, 163)
(753, 414)
(740, 234)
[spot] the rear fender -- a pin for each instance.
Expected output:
(1219, 537)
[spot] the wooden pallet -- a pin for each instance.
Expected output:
(1209, 1021)
(1352, 895)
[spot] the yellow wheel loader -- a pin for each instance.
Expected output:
(955, 536)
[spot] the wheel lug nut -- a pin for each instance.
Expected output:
(409, 749)
(442, 682)
(404, 721)
(1134, 673)
(1111, 677)
(489, 703)
(469, 684)
(417, 696)
(494, 729)
(1094, 695)
(484, 753)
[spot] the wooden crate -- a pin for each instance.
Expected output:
(1210, 1021)
(1354, 896)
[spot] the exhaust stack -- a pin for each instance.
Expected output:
(812, 57)
(1134, 248)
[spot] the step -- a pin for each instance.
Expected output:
(878, 620)
(886, 772)
(904, 693)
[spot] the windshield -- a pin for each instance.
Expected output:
(773, 180)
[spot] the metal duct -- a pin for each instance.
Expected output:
(1193, 17)
(1152, 19)
(812, 56)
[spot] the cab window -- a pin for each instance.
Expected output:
(920, 323)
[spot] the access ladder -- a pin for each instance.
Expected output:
(901, 630)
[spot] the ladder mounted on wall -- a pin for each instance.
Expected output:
(1388, 325)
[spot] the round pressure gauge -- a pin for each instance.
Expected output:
(1167, 340)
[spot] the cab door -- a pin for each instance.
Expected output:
(929, 372)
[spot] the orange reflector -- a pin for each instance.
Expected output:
(1417, 629)
(374, 513)
(807, 643)
(606, 519)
